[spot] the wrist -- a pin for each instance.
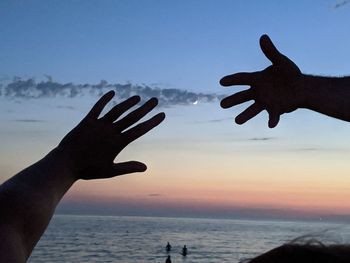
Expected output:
(60, 160)
(304, 87)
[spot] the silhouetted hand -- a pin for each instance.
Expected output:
(276, 89)
(92, 146)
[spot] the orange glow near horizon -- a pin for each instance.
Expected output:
(221, 170)
(266, 184)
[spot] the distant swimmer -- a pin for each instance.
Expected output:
(168, 247)
(184, 251)
(168, 260)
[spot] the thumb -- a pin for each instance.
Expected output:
(127, 168)
(270, 51)
(274, 118)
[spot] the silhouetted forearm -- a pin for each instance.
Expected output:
(329, 96)
(27, 203)
(28, 200)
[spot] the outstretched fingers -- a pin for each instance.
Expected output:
(242, 78)
(99, 105)
(249, 113)
(142, 128)
(120, 108)
(136, 115)
(237, 98)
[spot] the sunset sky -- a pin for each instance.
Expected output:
(200, 163)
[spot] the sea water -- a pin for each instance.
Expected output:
(143, 239)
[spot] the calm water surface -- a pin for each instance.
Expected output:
(142, 239)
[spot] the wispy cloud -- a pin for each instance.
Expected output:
(30, 88)
(29, 120)
(320, 149)
(341, 3)
(261, 139)
(154, 195)
(309, 149)
(65, 107)
(214, 120)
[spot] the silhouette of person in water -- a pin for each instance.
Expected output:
(184, 251)
(168, 260)
(282, 88)
(28, 199)
(168, 247)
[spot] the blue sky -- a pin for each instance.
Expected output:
(182, 45)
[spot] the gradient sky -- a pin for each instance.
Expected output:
(199, 161)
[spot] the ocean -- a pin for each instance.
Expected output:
(143, 239)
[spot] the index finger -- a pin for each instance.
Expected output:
(242, 78)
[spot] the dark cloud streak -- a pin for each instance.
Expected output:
(31, 89)
(261, 139)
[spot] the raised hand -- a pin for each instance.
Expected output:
(91, 147)
(276, 89)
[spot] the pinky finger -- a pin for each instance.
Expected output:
(249, 113)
